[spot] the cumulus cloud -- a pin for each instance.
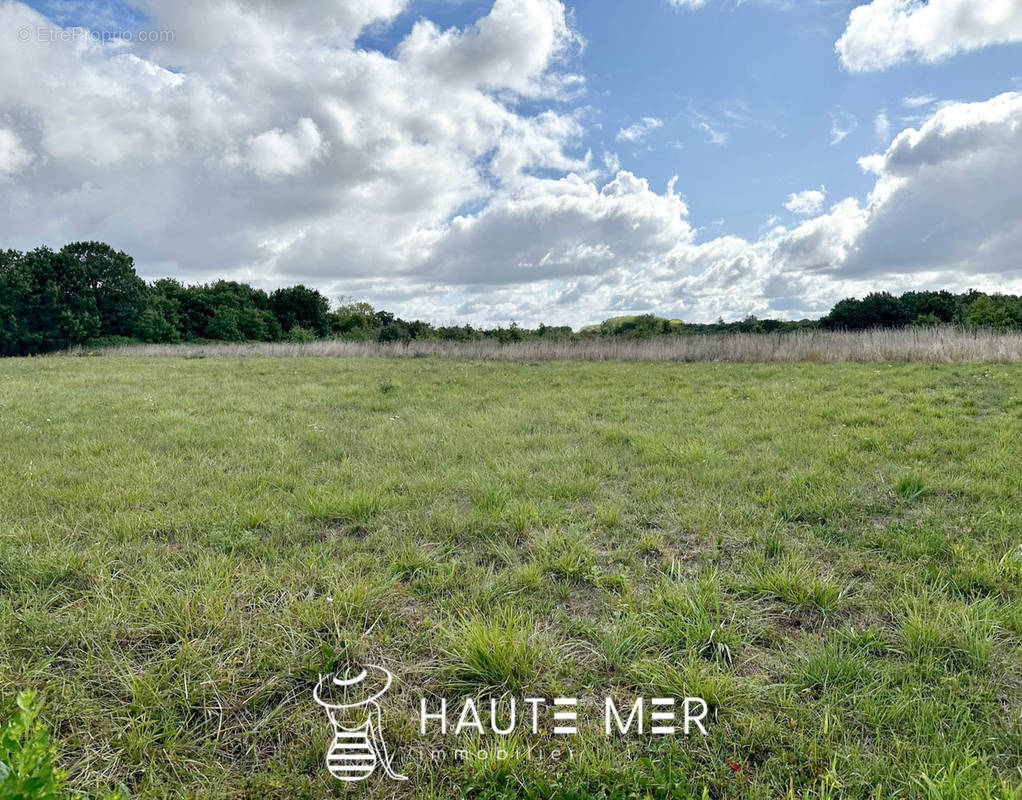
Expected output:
(447, 179)
(824, 242)
(886, 32)
(557, 228)
(274, 150)
(273, 154)
(640, 130)
(948, 194)
(943, 212)
(509, 48)
(945, 203)
(808, 202)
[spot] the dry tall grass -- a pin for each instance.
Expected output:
(945, 344)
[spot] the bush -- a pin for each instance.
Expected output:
(301, 335)
(27, 771)
(112, 341)
(640, 326)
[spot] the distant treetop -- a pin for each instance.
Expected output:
(89, 294)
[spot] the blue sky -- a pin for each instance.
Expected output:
(769, 81)
(745, 103)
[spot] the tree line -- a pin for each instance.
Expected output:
(88, 294)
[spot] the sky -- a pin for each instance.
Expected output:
(490, 161)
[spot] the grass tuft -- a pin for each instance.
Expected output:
(495, 652)
(798, 587)
(355, 507)
(696, 618)
(566, 556)
(947, 634)
(911, 487)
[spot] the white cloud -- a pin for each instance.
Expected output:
(882, 125)
(943, 213)
(886, 32)
(448, 181)
(948, 194)
(640, 130)
(946, 202)
(842, 123)
(713, 135)
(808, 202)
(821, 243)
(918, 101)
(276, 153)
(556, 228)
(13, 157)
(509, 48)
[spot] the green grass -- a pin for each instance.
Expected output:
(830, 554)
(496, 652)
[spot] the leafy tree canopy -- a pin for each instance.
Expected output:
(88, 293)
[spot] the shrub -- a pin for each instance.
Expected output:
(301, 335)
(27, 771)
(112, 341)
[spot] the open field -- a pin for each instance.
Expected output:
(830, 554)
(929, 345)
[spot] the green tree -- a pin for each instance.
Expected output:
(158, 321)
(224, 311)
(996, 311)
(302, 307)
(936, 305)
(355, 320)
(876, 310)
(50, 300)
(58, 307)
(16, 336)
(106, 280)
(223, 325)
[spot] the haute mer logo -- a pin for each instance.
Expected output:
(358, 748)
(350, 700)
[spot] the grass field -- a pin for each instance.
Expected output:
(830, 554)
